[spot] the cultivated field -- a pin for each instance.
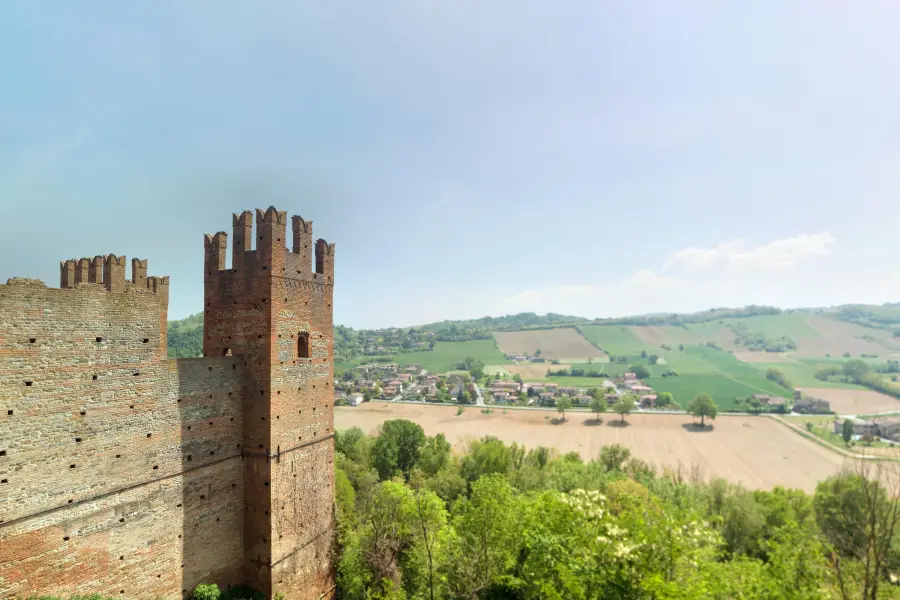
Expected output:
(614, 339)
(530, 372)
(816, 336)
(855, 402)
(836, 337)
(767, 358)
(755, 451)
(446, 355)
(563, 344)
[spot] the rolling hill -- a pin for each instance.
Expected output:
(724, 352)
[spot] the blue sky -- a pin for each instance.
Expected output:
(467, 158)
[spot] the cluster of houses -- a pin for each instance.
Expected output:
(546, 393)
(802, 403)
(388, 381)
(883, 427)
(526, 358)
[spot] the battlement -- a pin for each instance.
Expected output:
(270, 252)
(325, 259)
(109, 272)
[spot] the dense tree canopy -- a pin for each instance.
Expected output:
(503, 522)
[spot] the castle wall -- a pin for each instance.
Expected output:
(126, 474)
(112, 484)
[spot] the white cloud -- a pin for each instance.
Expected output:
(641, 292)
(692, 279)
(736, 256)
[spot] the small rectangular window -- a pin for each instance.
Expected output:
(303, 345)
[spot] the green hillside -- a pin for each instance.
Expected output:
(613, 339)
(724, 352)
(186, 337)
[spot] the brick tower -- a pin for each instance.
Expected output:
(273, 311)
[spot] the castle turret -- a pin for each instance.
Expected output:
(273, 312)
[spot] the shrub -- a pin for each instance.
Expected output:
(460, 410)
(206, 591)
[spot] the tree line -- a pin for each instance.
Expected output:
(502, 521)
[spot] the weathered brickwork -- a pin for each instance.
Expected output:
(125, 473)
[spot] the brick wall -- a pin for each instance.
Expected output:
(261, 309)
(127, 474)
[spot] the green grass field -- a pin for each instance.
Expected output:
(614, 339)
(792, 325)
(801, 373)
(446, 355)
(443, 358)
(700, 370)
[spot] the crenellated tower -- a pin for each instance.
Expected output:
(273, 311)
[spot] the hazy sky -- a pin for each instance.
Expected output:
(467, 157)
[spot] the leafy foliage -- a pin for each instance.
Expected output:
(775, 374)
(208, 591)
(185, 337)
(703, 406)
(503, 522)
(625, 405)
(757, 342)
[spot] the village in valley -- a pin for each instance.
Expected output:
(413, 383)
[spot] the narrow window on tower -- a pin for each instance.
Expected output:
(303, 345)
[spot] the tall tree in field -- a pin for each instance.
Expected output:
(624, 406)
(598, 404)
(847, 431)
(703, 406)
(563, 404)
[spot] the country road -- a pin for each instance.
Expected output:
(479, 399)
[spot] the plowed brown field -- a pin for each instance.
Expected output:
(855, 402)
(755, 451)
(555, 344)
